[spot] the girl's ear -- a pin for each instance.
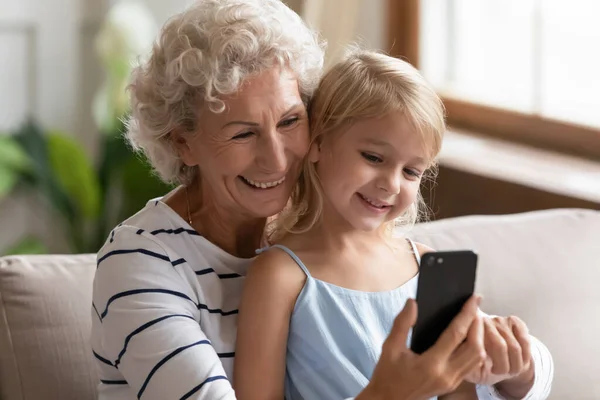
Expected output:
(314, 154)
(181, 141)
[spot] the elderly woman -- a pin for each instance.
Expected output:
(220, 109)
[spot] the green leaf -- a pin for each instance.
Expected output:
(41, 178)
(12, 154)
(140, 185)
(8, 180)
(74, 173)
(28, 246)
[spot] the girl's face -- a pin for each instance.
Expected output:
(371, 171)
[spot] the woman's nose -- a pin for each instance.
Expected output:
(272, 156)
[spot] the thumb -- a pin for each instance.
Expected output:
(403, 323)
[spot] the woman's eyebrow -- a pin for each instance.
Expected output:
(250, 123)
(289, 110)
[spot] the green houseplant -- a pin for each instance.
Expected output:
(88, 196)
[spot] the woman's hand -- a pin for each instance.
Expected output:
(403, 375)
(508, 364)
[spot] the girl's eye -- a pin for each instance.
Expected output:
(412, 172)
(243, 135)
(371, 157)
(288, 122)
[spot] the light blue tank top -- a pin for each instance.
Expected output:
(336, 335)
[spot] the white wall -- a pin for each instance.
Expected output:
(371, 23)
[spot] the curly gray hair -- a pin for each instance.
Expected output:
(206, 51)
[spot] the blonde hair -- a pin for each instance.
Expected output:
(365, 84)
(208, 51)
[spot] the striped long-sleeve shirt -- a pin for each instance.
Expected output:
(164, 314)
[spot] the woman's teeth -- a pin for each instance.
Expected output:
(264, 185)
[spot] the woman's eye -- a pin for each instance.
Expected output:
(288, 122)
(243, 135)
(371, 157)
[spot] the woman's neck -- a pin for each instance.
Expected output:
(233, 232)
(237, 237)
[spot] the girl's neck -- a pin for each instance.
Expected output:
(332, 233)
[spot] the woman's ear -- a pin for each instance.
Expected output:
(181, 142)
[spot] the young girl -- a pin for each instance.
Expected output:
(341, 273)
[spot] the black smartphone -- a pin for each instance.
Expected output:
(446, 281)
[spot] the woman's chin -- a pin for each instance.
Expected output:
(264, 202)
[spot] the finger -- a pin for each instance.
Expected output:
(513, 348)
(467, 363)
(496, 348)
(471, 353)
(402, 324)
(522, 335)
(457, 331)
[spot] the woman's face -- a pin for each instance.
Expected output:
(249, 156)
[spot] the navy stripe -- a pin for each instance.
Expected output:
(97, 313)
(143, 327)
(226, 355)
(140, 231)
(129, 251)
(113, 382)
(104, 360)
(112, 235)
(164, 360)
(216, 310)
(138, 291)
(175, 231)
(177, 262)
(194, 390)
(221, 276)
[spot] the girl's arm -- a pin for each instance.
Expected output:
(270, 290)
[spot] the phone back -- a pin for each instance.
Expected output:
(446, 281)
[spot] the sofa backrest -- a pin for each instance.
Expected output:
(45, 323)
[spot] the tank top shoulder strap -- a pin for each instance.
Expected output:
(290, 253)
(415, 250)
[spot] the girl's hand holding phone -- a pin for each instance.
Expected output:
(402, 374)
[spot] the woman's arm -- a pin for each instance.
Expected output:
(147, 323)
(466, 391)
(272, 285)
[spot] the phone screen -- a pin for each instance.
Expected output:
(446, 281)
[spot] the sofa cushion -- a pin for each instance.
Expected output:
(45, 324)
(543, 267)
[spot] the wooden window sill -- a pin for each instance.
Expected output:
(553, 172)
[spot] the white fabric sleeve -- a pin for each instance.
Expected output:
(149, 323)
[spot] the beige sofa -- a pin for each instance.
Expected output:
(543, 266)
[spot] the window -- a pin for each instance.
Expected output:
(523, 69)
